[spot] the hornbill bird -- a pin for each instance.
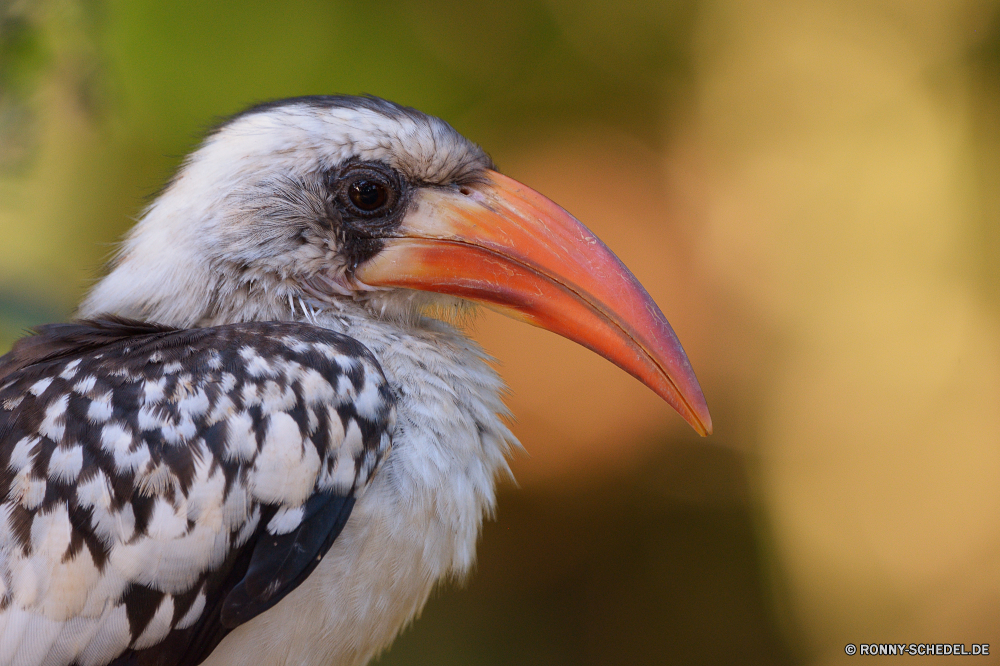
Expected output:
(262, 442)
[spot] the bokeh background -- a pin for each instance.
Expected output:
(809, 188)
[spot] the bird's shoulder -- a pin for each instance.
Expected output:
(160, 486)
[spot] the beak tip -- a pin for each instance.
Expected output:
(699, 419)
(705, 418)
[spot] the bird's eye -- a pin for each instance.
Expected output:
(368, 192)
(368, 195)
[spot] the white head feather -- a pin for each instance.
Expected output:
(235, 233)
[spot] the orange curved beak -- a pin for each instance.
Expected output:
(502, 244)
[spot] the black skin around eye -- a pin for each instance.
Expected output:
(370, 201)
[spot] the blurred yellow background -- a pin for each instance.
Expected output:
(811, 191)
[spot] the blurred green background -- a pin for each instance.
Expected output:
(811, 191)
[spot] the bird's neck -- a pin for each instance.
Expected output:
(187, 293)
(451, 442)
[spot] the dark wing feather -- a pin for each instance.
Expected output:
(121, 444)
(51, 342)
(281, 561)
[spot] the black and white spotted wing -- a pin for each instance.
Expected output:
(161, 486)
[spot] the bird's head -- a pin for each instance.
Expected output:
(347, 199)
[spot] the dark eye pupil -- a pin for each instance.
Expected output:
(368, 195)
